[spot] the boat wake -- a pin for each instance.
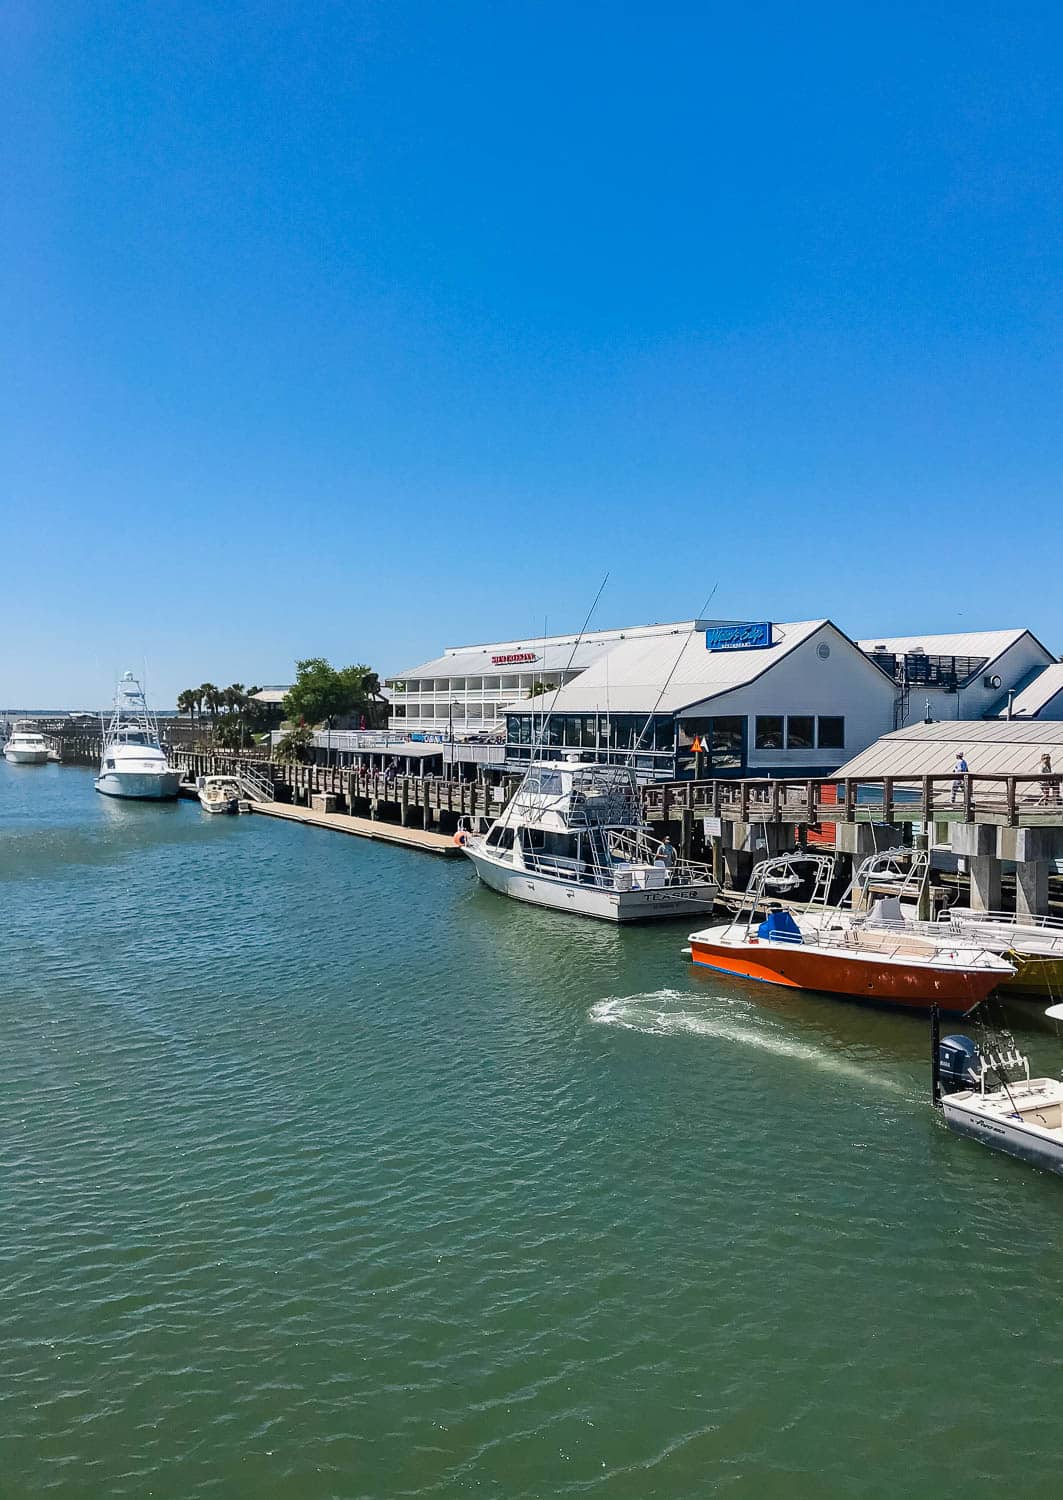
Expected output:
(667, 1013)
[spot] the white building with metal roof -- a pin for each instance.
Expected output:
(705, 697)
(961, 675)
(726, 699)
(1039, 697)
(468, 689)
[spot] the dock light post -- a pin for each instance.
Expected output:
(450, 736)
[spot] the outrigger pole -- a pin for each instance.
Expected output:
(935, 1056)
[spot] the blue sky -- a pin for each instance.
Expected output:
(360, 329)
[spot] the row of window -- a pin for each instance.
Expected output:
(800, 732)
(599, 732)
(721, 740)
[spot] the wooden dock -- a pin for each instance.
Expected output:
(366, 828)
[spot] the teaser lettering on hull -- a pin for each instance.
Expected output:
(753, 635)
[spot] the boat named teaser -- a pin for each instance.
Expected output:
(572, 837)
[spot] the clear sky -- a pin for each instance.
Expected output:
(361, 329)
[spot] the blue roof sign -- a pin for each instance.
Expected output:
(752, 636)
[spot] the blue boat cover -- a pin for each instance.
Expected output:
(780, 927)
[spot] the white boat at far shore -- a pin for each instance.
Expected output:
(26, 747)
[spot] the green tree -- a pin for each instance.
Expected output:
(296, 744)
(233, 700)
(229, 732)
(210, 697)
(538, 688)
(321, 693)
(186, 703)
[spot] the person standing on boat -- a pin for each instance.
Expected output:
(959, 771)
(666, 856)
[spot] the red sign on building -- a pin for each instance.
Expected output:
(513, 658)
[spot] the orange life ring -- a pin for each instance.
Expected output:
(460, 837)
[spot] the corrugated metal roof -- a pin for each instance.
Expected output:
(552, 652)
(1001, 746)
(1037, 695)
(475, 661)
(630, 677)
(989, 643)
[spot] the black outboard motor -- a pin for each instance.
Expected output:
(959, 1064)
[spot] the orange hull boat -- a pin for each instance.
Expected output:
(915, 986)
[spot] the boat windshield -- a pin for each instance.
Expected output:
(134, 737)
(543, 782)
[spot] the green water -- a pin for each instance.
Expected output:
(326, 1172)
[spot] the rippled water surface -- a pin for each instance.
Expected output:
(328, 1173)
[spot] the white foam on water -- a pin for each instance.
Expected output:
(667, 1013)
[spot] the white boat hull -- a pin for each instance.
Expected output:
(586, 900)
(1021, 1138)
(140, 785)
(219, 805)
(26, 757)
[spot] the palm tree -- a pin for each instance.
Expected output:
(186, 703)
(212, 698)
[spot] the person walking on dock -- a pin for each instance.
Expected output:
(959, 771)
(1049, 783)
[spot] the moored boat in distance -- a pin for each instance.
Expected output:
(572, 837)
(133, 763)
(25, 747)
(218, 794)
(882, 965)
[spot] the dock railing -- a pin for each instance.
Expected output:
(971, 797)
(974, 797)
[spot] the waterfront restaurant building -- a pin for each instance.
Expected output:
(720, 699)
(468, 690)
(711, 697)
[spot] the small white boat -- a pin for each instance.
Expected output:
(26, 747)
(572, 837)
(133, 763)
(218, 794)
(991, 1098)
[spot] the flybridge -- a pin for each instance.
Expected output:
(750, 636)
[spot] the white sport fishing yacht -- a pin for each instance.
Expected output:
(133, 763)
(573, 838)
(26, 747)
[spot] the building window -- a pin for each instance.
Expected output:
(800, 732)
(832, 733)
(722, 741)
(769, 733)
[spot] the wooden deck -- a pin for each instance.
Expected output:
(366, 828)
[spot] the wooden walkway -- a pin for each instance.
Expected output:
(366, 828)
